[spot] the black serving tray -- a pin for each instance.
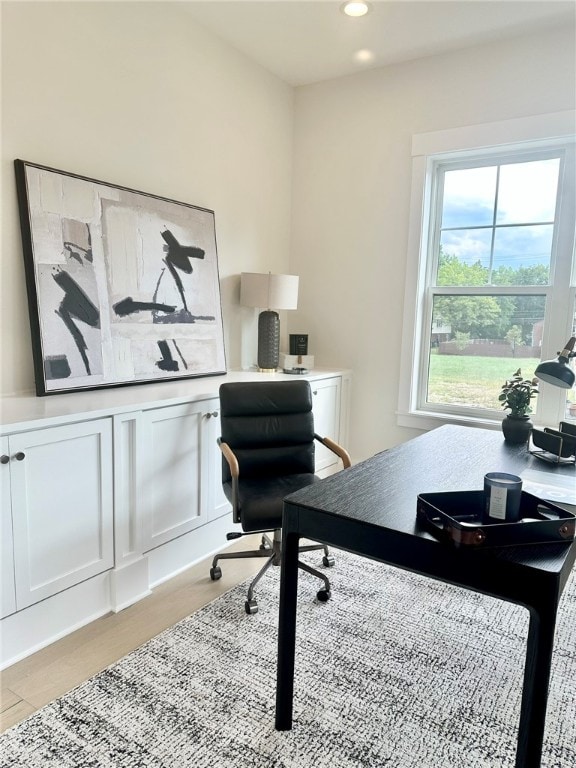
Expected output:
(457, 517)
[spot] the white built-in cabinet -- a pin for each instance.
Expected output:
(172, 477)
(168, 475)
(326, 399)
(217, 503)
(61, 505)
(8, 587)
(104, 500)
(176, 481)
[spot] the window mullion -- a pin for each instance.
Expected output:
(491, 290)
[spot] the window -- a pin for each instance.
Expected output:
(492, 278)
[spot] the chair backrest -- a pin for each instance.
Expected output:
(269, 426)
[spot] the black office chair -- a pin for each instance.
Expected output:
(267, 442)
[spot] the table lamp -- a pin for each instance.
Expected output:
(558, 372)
(269, 292)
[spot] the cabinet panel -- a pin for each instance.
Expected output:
(8, 593)
(61, 480)
(218, 504)
(326, 409)
(170, 483)
(127, 522)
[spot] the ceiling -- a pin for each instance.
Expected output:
(305, 41)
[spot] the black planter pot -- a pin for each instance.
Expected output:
(516, 429)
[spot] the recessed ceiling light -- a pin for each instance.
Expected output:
(355, 8)
(364, 56)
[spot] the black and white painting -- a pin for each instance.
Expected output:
(122, 285)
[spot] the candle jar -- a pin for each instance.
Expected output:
(502, 497)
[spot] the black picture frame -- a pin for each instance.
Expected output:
(123, 286)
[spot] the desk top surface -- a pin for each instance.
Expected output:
(382, 491)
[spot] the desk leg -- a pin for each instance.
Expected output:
(287, 632)
(535, 688)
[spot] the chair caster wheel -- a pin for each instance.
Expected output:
(216, 573)
(251, 607)
(328, 561)
(323, 595)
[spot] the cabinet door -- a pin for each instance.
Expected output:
(8, 593)
(172, 494)
(218, 504)
(61, 480)
(326, 409)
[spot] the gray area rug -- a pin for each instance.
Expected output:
(395, 670)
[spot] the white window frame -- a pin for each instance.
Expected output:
(507, 138)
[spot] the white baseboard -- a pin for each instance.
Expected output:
(129, 584)
(41, 624)
(177, 555)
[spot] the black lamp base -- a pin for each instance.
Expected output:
(268, 340)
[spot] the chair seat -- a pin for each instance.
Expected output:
(261, 499)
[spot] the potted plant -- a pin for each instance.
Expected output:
(516, 395)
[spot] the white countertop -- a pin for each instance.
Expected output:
(24, 412)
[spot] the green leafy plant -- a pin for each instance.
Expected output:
(517, 393)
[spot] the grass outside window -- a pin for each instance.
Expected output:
(471, 381)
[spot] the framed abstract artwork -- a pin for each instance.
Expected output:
(123, 286)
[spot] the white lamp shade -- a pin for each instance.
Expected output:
(268, 291)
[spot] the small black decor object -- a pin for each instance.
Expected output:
(298, 343)
(516, 429)
(557, 446)
(516, 395)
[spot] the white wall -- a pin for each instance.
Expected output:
(136, 94)
(352, 168)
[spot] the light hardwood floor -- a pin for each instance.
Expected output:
(49, 673)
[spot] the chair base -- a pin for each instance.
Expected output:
(271, 549)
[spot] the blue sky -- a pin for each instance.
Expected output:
(526, 194)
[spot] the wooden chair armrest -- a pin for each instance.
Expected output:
(337, 449)
(232, 461)
(230, 458)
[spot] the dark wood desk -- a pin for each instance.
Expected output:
(370, 509)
